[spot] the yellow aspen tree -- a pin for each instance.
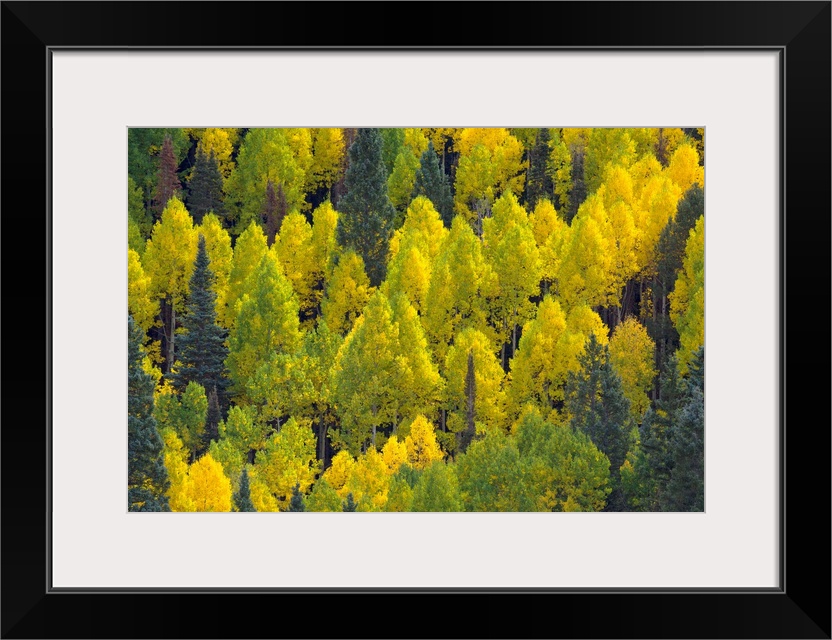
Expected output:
(294, 246)
(288, 459)
(489, 398)
(176, 462)
(347, 293)
(684, 168)
(422, 228)
(220, 256)
(339, 471)
(394, 454)
(323, 498)
(368, 482)
(324, 248)
(208, 488)
(418, 385)
(282, 156)
(460, 284)
(169, 261)
(401, 179)
(687, 301)
(249, 250)
(421, 444)
(140, 304)
(267, 322)
(587, 274)
(512, 252)
(365, 375)
(632, 354)
(605, 147)
(551, 234)
(328, 148)
(490, 163)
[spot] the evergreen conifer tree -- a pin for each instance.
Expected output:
(242, 499)
(212, 418)
(367, 215)
(147, 481)
(202, 352)
(167, 184)
(349, 503)
(539, 183)
(595, 399)
(205, 188)
(296, 503)
(686, 488)
(467, 434)
(432, 183)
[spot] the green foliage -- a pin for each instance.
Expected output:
(242, 498)
(597, 405)
(147, 477)
(205, 188)
(186, 415)
(539, 183)
(432, 183)
(437, 489)
(202, 351)
(367, 215)
(297, 503)
(349, 503)
(143, 149)
(323, 497)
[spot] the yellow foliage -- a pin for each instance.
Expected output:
(347, 293)
(368, 482)
(294, 246)
(220, 141)
(288, 459)
(394, 454)
(684, 168)
(220, 255)
(328, 154)
(261, 497)
(687, 301)
(209, 488)
(339, 471)
(632, 353)
(176, 463)
(421, 444)
(249, 250)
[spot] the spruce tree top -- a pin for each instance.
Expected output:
(366, 221)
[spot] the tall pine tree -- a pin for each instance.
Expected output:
(205, 188)
(167, 183)
(147, 476)
(432, 183)
(686, 488)
(539, 183)
(202, 352)
(595, 399)
(366, 221)
(242, 499)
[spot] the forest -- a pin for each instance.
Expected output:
(423, 319)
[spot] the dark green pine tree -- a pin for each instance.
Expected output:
(201, 350)
(297, 503)
(242, 498)
(686, 488)
(539, 184)
(653, 461)
(147, 477)
(205, 188)
(468, 433)
(349, 503)
(432, 183)
(596, 401)
(578, 193)
(367, 215)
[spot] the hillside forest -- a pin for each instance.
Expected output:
(425, 319)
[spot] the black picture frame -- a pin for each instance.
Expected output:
(800, 608)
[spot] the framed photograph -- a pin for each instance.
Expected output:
(746, 85)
